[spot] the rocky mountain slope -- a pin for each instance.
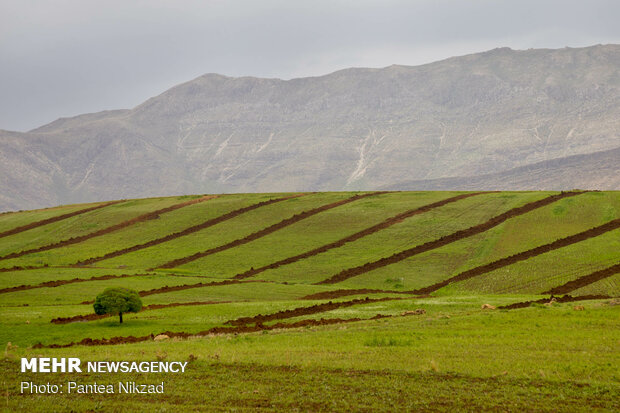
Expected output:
(599, 170)
(477, 120)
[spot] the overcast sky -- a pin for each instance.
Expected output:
(61, 58)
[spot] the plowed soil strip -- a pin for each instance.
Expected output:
(168, 289)
(54, 219)
(361, 234)
(64, 282)
(104, 231)
(302, 311)
(266, 231)
(448, 239)
(186, 231)
(90, 317)
(564, 299)
(585, 280)
(562, 242)
(19, 268)
(326, 295)
(212, 331)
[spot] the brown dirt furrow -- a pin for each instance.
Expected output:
(20, 268)
(90, 317)
(57, 283)
(54, 219)
(213, 331)
(168, 289)
(186, 231)
(191, 303)
(448, 239)
(301, 311)
(564, 299)
(562, 242)
(326, 295)
(585, 280)
(104, 231)
(79, 318)
(361, 234)
(266, 231)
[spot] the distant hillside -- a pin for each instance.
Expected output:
(599, 170)
(478, 115)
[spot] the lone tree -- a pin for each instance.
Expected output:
(117, 301)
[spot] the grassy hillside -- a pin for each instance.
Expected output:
(317, 283)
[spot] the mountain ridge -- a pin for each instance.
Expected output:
(550, 175)
(356, 128)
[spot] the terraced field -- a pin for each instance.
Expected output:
(317, 281)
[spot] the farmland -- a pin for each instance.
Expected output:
(308, 301)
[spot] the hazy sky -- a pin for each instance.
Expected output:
(66, 57)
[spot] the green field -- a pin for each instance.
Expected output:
(277, 261)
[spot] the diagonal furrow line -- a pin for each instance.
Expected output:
(104, 231)
(562, 242)
(58, 283)
(214, 330)
(326, 295)
(302, 311)
(585, 280)
(169, 289)
(258, 319)
(20, 268)
(266, 231)
(448, 239)
(561, 276)
(92, 316)
(186, 231)
(54, 219)
(363, 233)
(564, 299)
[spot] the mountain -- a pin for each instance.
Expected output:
(599, 170)
(498, 117)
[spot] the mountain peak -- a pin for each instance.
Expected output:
(359, 128)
